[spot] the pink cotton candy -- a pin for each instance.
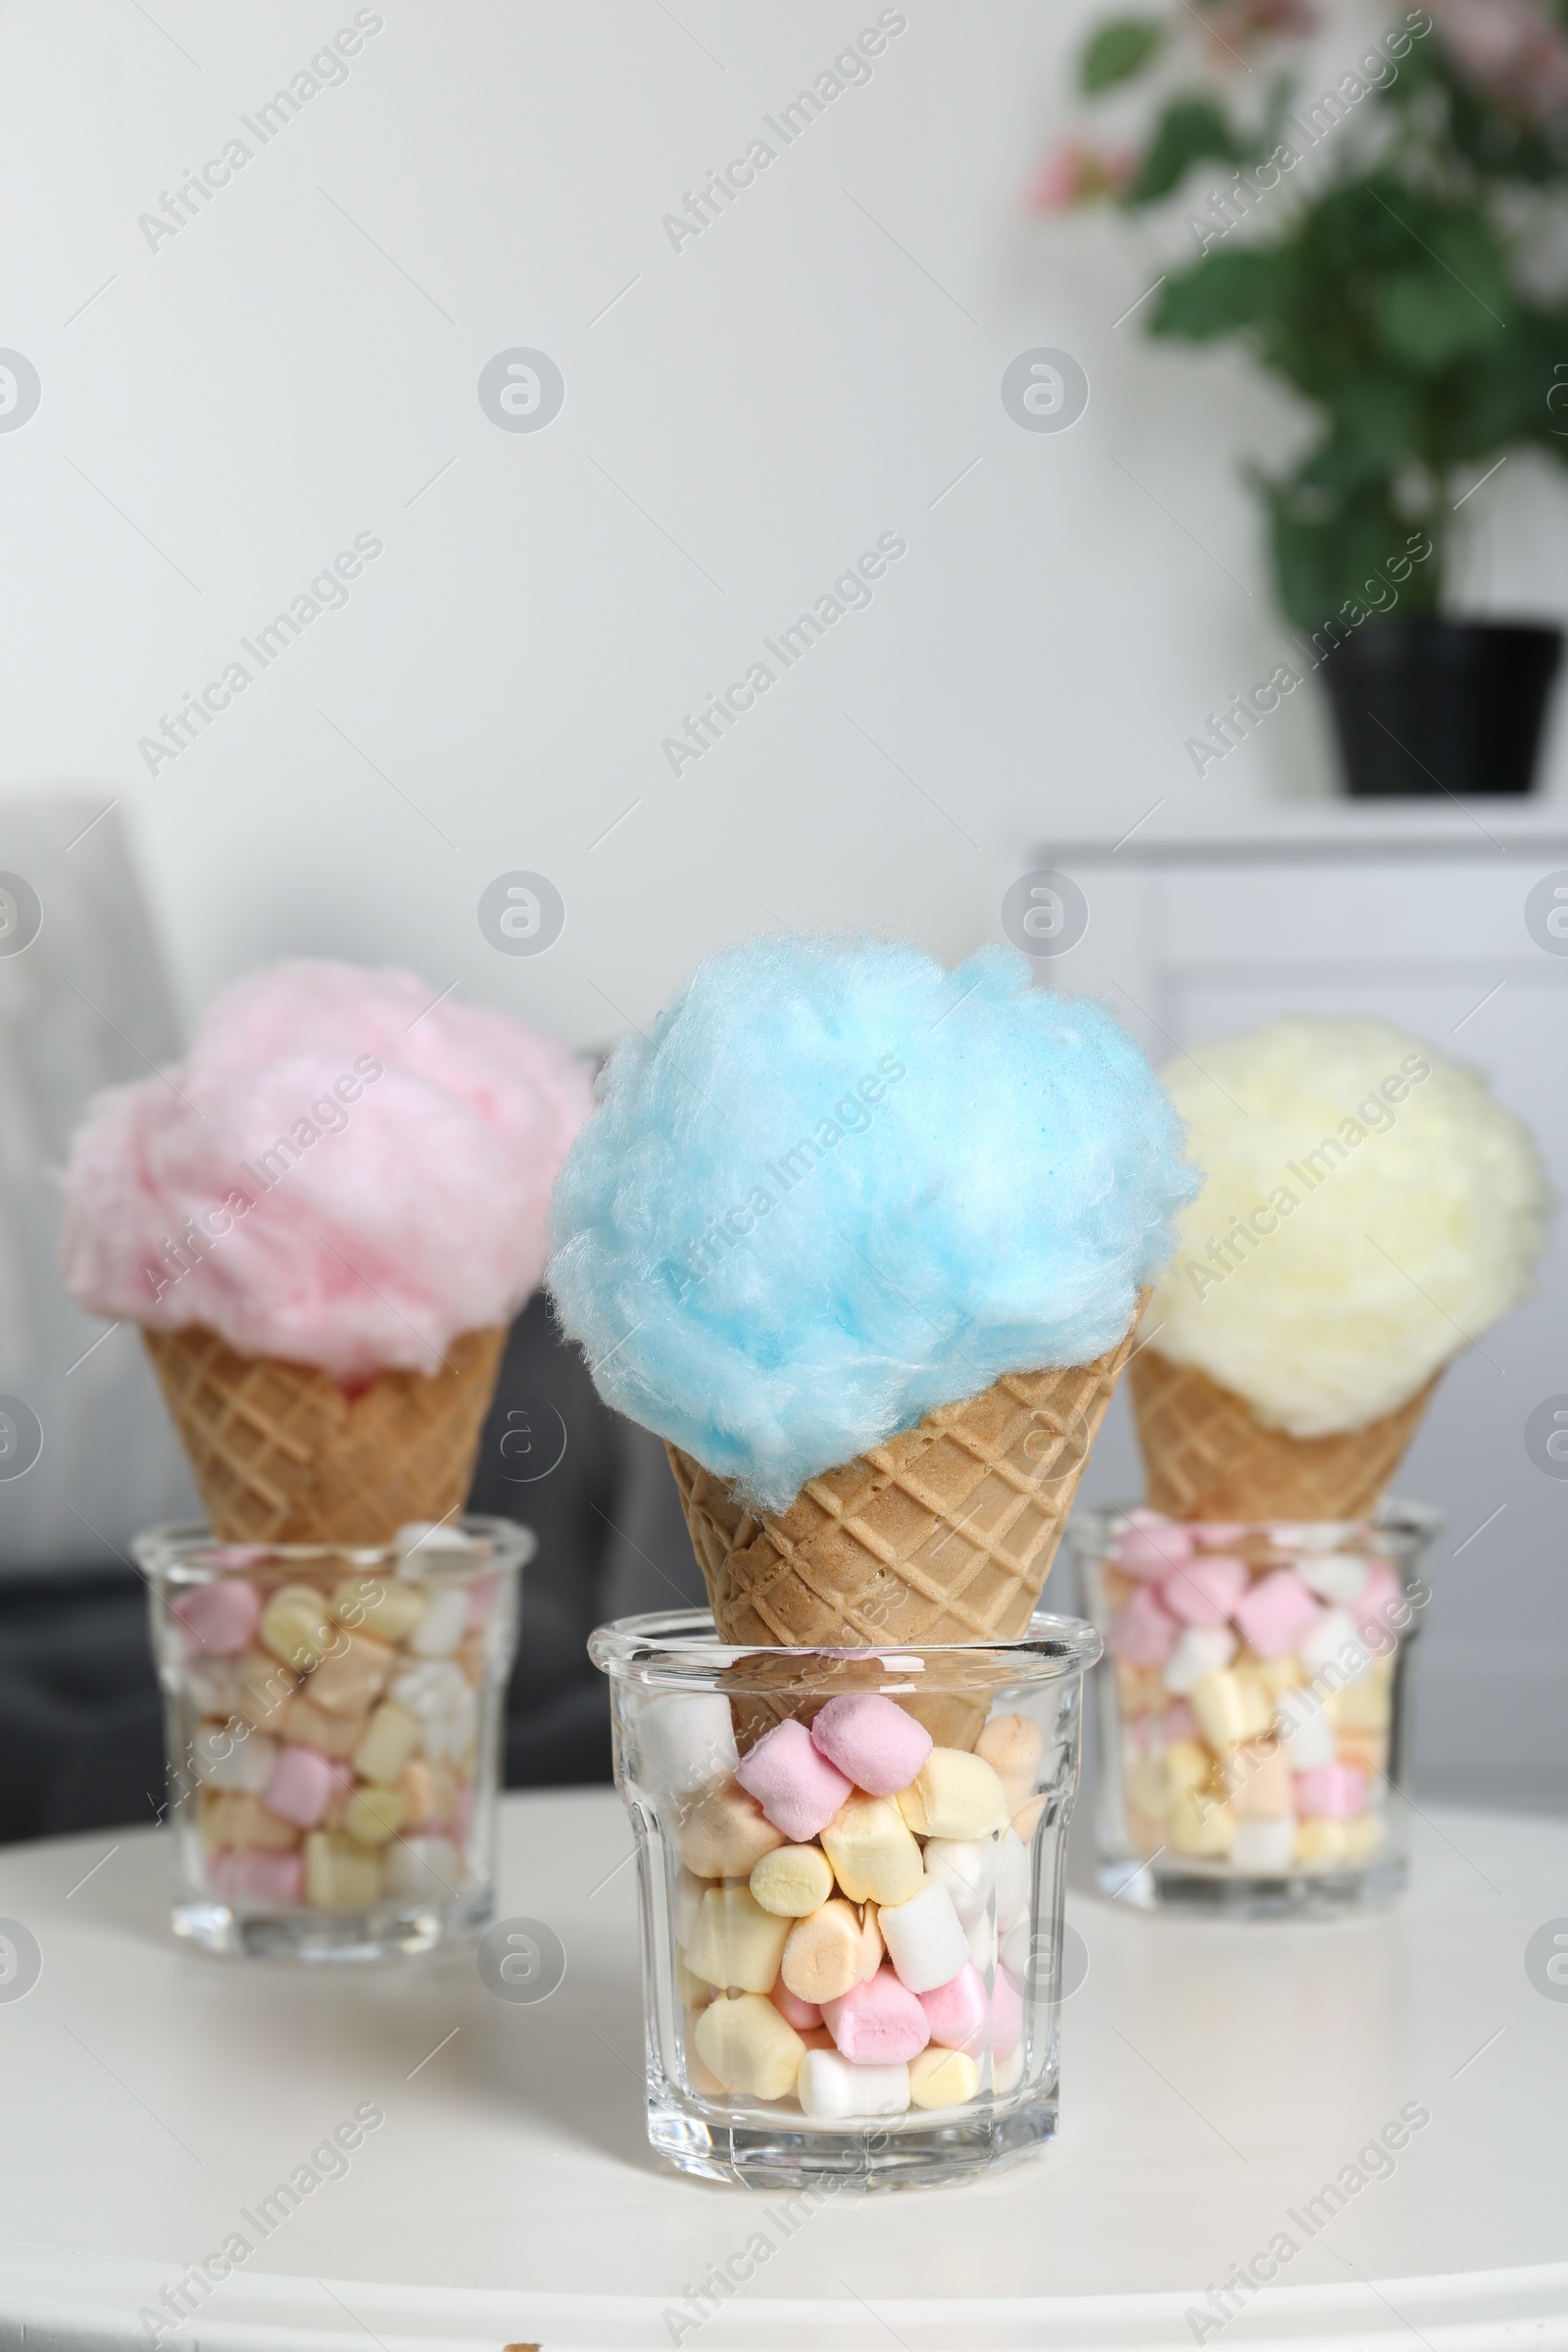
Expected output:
(793, 1782)
(877, 2022)
(241, 1874)
(956, 2012)
(1330, 1793)
(802, 2015)
(1276, 1612)
(872, 1740)
(1151, 1550)
(1144, 1631)
(350, 1173)
(218, 1619)
(1204, 1591)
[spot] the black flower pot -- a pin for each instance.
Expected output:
(1424, 707)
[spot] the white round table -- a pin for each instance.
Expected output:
(1215, 2079)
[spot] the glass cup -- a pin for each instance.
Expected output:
(333, 1717)
(1251, 1715)
(929, 2052)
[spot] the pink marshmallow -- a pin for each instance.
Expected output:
(793, 1782)
(871, 1739)
(1379, 1608)
(956, 2012)
(1330, 1793)
(1145, 1631)
(301, 1786)
(1206, 1590)
(249, 1873)
(877, 2022)
(219, 1618)
(481, 1602)
(1275, 1614)
(1152, 1551)
(462, 1815)
(802, 2015)
(1217, 1532)
(1003, 2029)
(1179, 1723)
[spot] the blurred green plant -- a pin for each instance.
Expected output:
(1395, 249)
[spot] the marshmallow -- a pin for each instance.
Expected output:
(685, 1742)
(389, 1741)
(956, 2011)
(792, 1781)
(924, 1937)
(805, 2016)
(686, 1901)
(747, 2046)
(822, 1956)
(376, 1606)
(1007, 2073)
(424, 1870)
(954, 1795)
(1187, 1766)
(1230, 1709)
(727, 1834)
(1204, 1592)
(942, 2078)
(1004, 2028)
(435, 1547)
(1144, 1631)
(1152, 1551)
(875, 1857)
(1337, 1578)
(1275, 1613)
(299, 1785)
(1366, 1706)
(1322, 1845)
(1330, 1793)
(230, 1755)
(1380, 1611)
(373, 1815)
(214, 1686)
(310, 1726)
(446, 1710)
(1363, 1837)
(340, 1876)
(1305, 1731)
(1265, 1849)
(1013, 1746)
(1199, 1825)
(295, 1626)
(793, 1881)
(981, 1937)
(877, 2024)
(1333, 1638)
(253, 1874)
(220, 1618)
(831, 2090)
(1257, 1777)
(442, 1624)
(229, 1819)
(1367, 1752)
(1026, 1820)
(265, 1685)
(735, 1942)
(352, 1676)
(873, 1951)
(966, 1867)
(871, 1740)
(1200, 1650)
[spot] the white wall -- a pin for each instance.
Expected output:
(816, 368)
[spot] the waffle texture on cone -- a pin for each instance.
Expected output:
(943, 1535)
(1207, 1456)
(282, 1454)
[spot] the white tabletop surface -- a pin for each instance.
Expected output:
(1215, 2079)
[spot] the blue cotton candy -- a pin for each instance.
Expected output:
(839, 1185)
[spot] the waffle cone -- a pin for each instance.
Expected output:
(1207, 1456)
(282, 1455)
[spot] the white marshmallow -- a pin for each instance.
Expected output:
(967, 1868)
(981, 1938)
(230, 1755)
(1007, 2073)
(1015, 1951)
(1012, 1880)
(831, 2090)
(424, 1870)
(1266, 1847)
(1336, 1577)
(1325, 1637)
(215, 1686)
(1306, 1731)
(925, 1940)
(444, 1623)
(1199, 1649)
(446, 1707)
(685, 1740)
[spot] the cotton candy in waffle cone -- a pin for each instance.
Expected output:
(943, 1535)
(282, 1454)
(1206, 1454)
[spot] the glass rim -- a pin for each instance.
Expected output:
(1395, 1515)
(174, 1544)
(681, 1648)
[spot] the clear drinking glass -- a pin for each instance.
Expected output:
(685, 1708)
(1251, 1706)
(333, 1717)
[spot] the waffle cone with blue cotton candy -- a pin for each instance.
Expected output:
(864, 1241)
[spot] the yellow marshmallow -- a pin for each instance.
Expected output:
(1364, 1706)
(692, 1992)
(875, 1857)
(1277, 1675)
(1199, 1825)
(700, 2077)
(727, 1834)
(793, 1881)
(387, 1608)
(1363, 1836)
(229, 1818)
(387, 1745)
(1321, 1845)
(1026, 1820)
(1187, 1766)
(295, 1626)
(339, 1873)
(302, 1720)
(735, 1942)
(1230, 1708)
(1149, 1786)
(824, 1955)
(871, 1945)
(942, 2078)
(351, 1676)
(373, 1815)
(1012, 1746)
(951, 1795)
(748, 2046)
